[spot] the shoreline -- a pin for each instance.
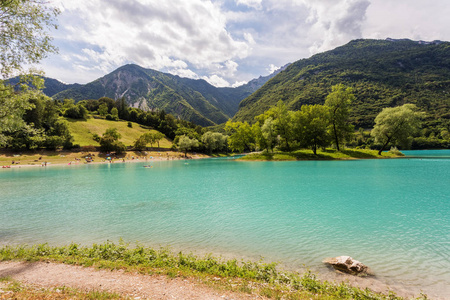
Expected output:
(190, 272)
(322, 155)
(30, 160)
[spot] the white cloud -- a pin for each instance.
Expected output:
(336, 22)
(186, 73)
(151, 33)
(413, 19)
(250, 3)
(238, 83)
(272, 68)
(226, 41)
(216, 81)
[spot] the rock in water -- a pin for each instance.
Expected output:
(348, 265)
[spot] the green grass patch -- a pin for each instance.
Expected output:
(83, 130)
(241, 276)
(327, 154)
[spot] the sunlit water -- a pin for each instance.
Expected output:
(393, 215)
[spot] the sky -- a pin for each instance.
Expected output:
(225, 42)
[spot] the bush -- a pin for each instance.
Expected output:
(53, 142)
(395, 151)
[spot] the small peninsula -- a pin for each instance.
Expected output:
(327, 154)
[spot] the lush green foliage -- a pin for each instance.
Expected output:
(396, 125)
(311, 126)
(339, 101)
(186, 144)
(241, 136)
(30, 120)
(73, 111)
(110, 141)
(12, 109)
(318, 126)
(147, 260)
(214, 141)
(24, 37)
(148, 138)
(381, 74)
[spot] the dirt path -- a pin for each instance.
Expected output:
(136, 286)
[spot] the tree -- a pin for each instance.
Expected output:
(282, 122)
(24, 33)
(158, 136)
(241, 136)
(149, 137)
(115, 113)
(26, 138)
(110, 141)
(76, 112)
(339, 101)
(122, 107)
(108, 101)
(59, 135)
(140, 143)
(103, 109)
(260, 142)
(312, 122)
(396, 125)
(24, 39)
(214, 141)
(269, 134)
(185, 144)
(13, 106)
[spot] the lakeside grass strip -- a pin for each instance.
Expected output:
(327, 154)
(242, 276)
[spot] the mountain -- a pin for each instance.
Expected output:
(383, 73)
(193, 100)
(52, 86)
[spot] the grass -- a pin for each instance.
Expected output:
(239, 276)
(12, 289)
(327, 154)
(83, 130)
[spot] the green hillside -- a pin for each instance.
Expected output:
(148, 89)
(196, 101)
(383, 73)
(83, 130)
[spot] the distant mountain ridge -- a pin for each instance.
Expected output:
(383, 73)
(189, 99)
(52, 86)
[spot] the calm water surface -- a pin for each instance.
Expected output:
(393, 215)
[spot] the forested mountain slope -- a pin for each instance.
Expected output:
(383, 73)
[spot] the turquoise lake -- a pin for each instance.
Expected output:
(392, 214)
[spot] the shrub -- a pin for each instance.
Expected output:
(395, 151)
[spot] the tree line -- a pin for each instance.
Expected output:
(320, 126)
(313, 126)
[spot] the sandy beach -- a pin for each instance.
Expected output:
(59, 158)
